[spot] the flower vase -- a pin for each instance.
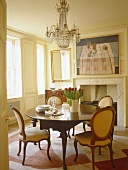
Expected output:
(74, 106)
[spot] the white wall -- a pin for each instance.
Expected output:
(30, 97)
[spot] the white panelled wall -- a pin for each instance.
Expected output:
(29, 77)
(30, 97)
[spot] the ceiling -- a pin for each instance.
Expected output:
(32, 16)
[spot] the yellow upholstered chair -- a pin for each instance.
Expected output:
(103, 102)
(32, 134)
(102, 124)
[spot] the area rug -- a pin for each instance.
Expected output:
(37, 159)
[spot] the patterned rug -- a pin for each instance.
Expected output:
(37, 159)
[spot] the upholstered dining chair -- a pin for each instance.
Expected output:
(56, 99)
(103, 102)
(32, 134)
(102, 124)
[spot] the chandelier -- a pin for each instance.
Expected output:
(60, 33)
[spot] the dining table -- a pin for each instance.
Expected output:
(63, 122)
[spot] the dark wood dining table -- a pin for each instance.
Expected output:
(62, 123)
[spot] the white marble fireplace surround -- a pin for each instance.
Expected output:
(119, 81)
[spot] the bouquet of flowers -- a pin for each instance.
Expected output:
(72, 94)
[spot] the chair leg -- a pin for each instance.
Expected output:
(39, 146)
(99, 150)
(84, 126)
(19, 147)
(49, 131)
(75, 145)
(24, 152)
(69, 134)
(93, 159)
(111, 154)
(73, 131)
(111, 147)
(112, 133)
(49, 144)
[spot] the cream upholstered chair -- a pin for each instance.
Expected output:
(103, 102)
(32, 134)
(56, 99)
(102, 124)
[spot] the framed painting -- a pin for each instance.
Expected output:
(99, 56)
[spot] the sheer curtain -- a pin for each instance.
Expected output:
(13, 68)
(40, 69)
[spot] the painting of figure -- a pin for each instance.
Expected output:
(98, 55)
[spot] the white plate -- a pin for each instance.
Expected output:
(43, 106)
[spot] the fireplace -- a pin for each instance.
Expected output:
(97, 87)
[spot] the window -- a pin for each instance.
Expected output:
(13, 68)
(40, 69)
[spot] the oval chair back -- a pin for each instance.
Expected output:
(102, 124)
(56, 99)
(20, 121)
(105, 101)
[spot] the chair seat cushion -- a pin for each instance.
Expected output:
(35, 134)
(86, 137)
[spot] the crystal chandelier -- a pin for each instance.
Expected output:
(60, 33)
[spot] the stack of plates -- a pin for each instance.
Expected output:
(41, 108)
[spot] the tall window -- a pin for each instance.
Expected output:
(40, 69)
(14, 86)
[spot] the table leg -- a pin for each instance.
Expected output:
(64, 144)
(34, 121)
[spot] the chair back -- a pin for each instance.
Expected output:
(56, 99)
(105, 101)
(102, 124)
(20, 121)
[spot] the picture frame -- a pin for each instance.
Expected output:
(98, 56)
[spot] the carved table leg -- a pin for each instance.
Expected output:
(64, 144)
(34, 121)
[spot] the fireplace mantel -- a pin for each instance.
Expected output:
(119, 81)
